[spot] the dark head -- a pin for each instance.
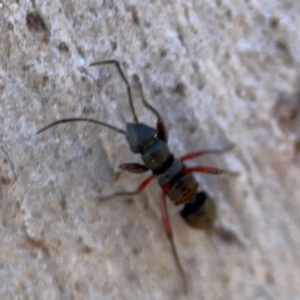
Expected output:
(140, 136)
(200, 212)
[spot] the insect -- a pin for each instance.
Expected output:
(175, 178)
(35, 22)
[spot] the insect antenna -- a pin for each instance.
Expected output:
(82, 120)
(145, 102)
(117, 64)
(163, 133)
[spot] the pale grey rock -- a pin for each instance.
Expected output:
(214, 70)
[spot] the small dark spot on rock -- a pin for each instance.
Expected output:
(274, 22)
(37, 243)
(238, 91)
(5, 180)
(35, 22)
(25, 68)
(87, 250)
(46, 39)
(228, 236)
(77, 286)
(147, 24)
(186, 13)
(227, 55)
(114, 45)
(63, 202)
(282, 46)
(163, 53)
(192, 129)
(180, 89)
(229, 14)
(148, 66)
(45, 79)
(44, 100)
(297, 147)
(68, 163)
(10, 26)
(200, 84)
(87, 110)
(129, 201)
(146, 205)
(287, 111)
(93, 11)
(225, 278)
(117, 175)
(80, 52)
(63, 47)
(34, 255)
(195, 67)
(157, 90)
(89, 151)
(134, 15)
(135, 251)
(269, 278)
(131, 277)
(145, 44)
(180, 35)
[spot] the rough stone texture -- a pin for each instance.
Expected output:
(214, 70)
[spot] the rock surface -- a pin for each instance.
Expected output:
(214, 70)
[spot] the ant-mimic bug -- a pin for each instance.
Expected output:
(175, 178)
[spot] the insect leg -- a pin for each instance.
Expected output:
(140, 188)
(161, 128)
(169, 233)
(206, 151)
(208, 170)
(134, 168)
(117, 64)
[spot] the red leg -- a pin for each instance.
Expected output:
(168, 231)
(208, 170)
(140, 188)
(134, 168)
(165, 217)
(202, 152)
